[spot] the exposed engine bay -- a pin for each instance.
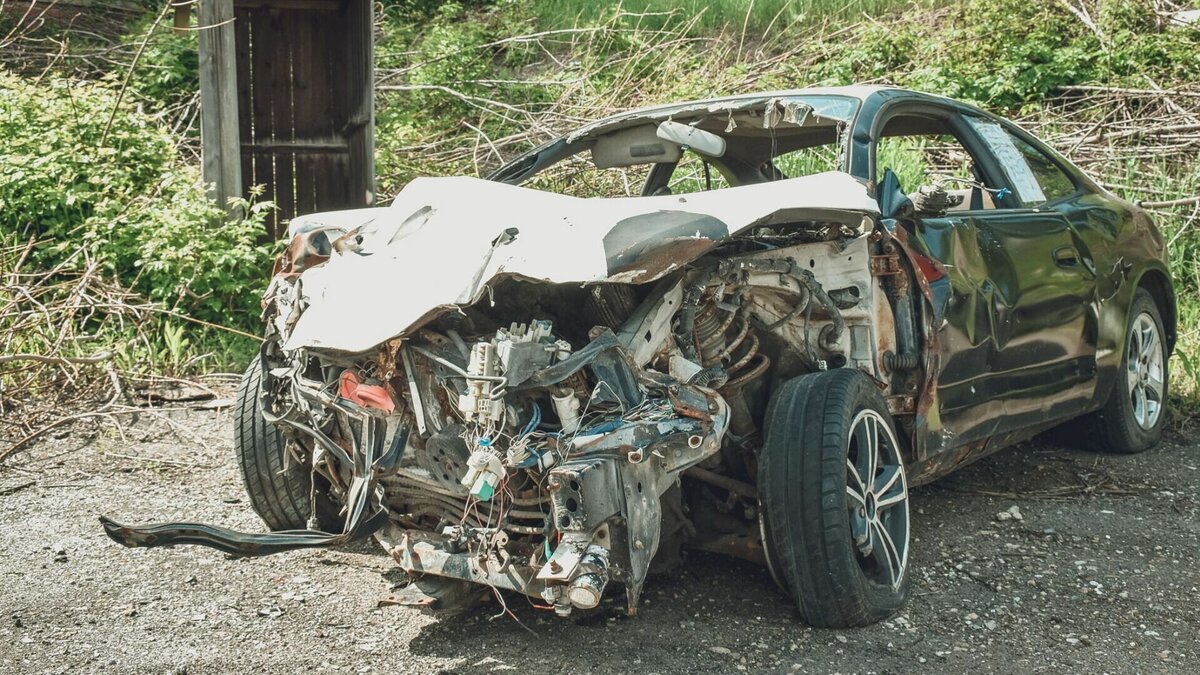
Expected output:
(545, 456)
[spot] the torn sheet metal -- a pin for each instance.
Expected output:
(838, 103)
(791, 110)
(444, 239)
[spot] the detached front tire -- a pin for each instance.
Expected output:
(834, 500)
(279, 489)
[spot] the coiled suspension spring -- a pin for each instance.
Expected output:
(723, 339)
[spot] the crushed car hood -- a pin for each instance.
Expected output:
(444, 239)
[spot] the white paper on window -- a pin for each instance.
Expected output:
(1024, 182)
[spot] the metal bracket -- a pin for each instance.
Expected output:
(901, 405)
(885, 265)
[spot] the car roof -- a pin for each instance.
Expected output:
(860, 92)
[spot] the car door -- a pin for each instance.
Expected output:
(1017, 337)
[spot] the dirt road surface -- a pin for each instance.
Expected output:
(1096, 574)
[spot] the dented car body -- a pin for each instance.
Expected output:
(553, 395)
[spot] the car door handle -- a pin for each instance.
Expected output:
(1066, 256)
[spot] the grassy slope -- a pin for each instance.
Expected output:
(466, 88)
(714, 15)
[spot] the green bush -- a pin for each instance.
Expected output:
(125, 197)
(1010, 54)
(168, 72)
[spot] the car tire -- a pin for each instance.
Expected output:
(279, 490)
(1124, 425)
(828, 549)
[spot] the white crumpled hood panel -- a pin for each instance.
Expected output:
(431, 247)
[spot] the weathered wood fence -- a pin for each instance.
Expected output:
(287, 102)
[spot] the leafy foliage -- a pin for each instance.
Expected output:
(1010, 54)
(449, 62)
(69, 180)
(168, 72)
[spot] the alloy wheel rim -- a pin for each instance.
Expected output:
(877, 499)
(1144, 371)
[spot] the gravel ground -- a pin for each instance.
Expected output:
(1095, 574)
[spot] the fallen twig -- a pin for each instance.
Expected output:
(159, 460)
(13, 489)
(22, 442)
(1170, 202)
(1125, 90)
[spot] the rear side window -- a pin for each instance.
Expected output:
(1055, 183)
(1036, 178)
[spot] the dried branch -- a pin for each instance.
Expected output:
(1170, 202)
(55, 326)
(129, 72)
(61, 360)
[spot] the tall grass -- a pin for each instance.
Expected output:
(756, 16)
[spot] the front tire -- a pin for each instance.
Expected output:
(834, 500)
(279, 488)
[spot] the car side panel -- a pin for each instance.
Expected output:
(1108, 232)
(1122, 245)
(1018, 341)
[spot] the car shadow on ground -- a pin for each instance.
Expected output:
(678, 616)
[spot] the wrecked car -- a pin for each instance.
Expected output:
(747, 325)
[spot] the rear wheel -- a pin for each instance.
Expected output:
(835, 500)
(1133, 418)
(279, 487)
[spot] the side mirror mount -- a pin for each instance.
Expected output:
(701, 141)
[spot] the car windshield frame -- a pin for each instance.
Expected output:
(841, 108)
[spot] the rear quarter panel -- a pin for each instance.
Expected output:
(1126, 250)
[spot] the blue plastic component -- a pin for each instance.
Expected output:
(533, 459)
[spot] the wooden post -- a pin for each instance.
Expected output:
(183, 18)
(361, 131)
(220, 150)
